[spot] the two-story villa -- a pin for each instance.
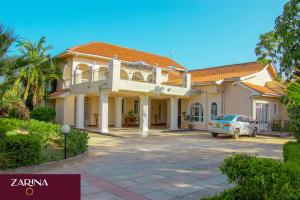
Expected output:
(106, 85)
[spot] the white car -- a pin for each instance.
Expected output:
(234, 125)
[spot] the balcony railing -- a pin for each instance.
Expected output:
(81, 77)
(139, 75)
(174, 80)
(100, 74)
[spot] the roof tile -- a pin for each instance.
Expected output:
(123, 53)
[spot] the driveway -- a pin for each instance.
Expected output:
(171, 166)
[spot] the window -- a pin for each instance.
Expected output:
(275, 109)
(197, 112)
(213, 111)
(136, 107)
(262, 112)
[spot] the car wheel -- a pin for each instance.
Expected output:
(254, 132)
(214, 134)
(236, 134)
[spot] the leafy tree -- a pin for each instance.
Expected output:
(282, 46)
(36, 76)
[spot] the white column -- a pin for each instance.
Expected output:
(187, 79)
(118, 112)
(144, 112)
(80, 111)
(149, 112)
(103, 112)
(174, 113)
(157, 71)
(114, 74)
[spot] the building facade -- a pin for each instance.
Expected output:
(106, 86)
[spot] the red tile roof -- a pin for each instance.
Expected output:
(270, 88)
(226, 72)
(123, 53)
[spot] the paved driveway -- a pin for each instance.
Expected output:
(175, 166)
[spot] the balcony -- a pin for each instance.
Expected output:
(132, 78)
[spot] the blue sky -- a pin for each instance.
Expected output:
(200, 33)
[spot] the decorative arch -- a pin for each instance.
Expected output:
(150, 78)
(81, 73)
(124, 75)
(137, 76)
(213, 111)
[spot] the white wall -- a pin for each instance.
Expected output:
(261, 78)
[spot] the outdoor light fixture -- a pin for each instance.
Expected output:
(65, 129)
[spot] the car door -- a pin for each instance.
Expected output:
(240, 125)
(247, 125)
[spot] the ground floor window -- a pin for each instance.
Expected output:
(213, 111)
(262, 111)
(197, 112)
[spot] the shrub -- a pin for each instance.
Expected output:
(9, 124)
(20, 150)
(77, 142)
(43, 130)
(255, 176)
(261, 178)
(43, 114)
(291, 152)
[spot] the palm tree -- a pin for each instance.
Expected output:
(39, 73)
(9, 65)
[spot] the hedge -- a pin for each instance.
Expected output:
(25, 143)
(20, 150)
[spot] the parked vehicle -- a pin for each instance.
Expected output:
(234, 125)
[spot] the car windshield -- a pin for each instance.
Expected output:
(226, 117)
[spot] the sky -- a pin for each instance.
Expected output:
(195, 33)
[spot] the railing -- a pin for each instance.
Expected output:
(139, 75)
(175, 80)
(81, 77)
(275, 128)
(100, 74)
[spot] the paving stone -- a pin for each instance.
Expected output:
(101, 196)
(88, 189)
(158, 195)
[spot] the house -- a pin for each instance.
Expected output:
(106, 85)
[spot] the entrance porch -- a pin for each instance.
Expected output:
(109, 112)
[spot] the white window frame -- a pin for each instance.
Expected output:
(197, 118)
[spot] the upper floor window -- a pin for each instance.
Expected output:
(213, 111)
(197, 112)
(136, 107)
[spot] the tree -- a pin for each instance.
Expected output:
(282, 46)
(36, 76)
